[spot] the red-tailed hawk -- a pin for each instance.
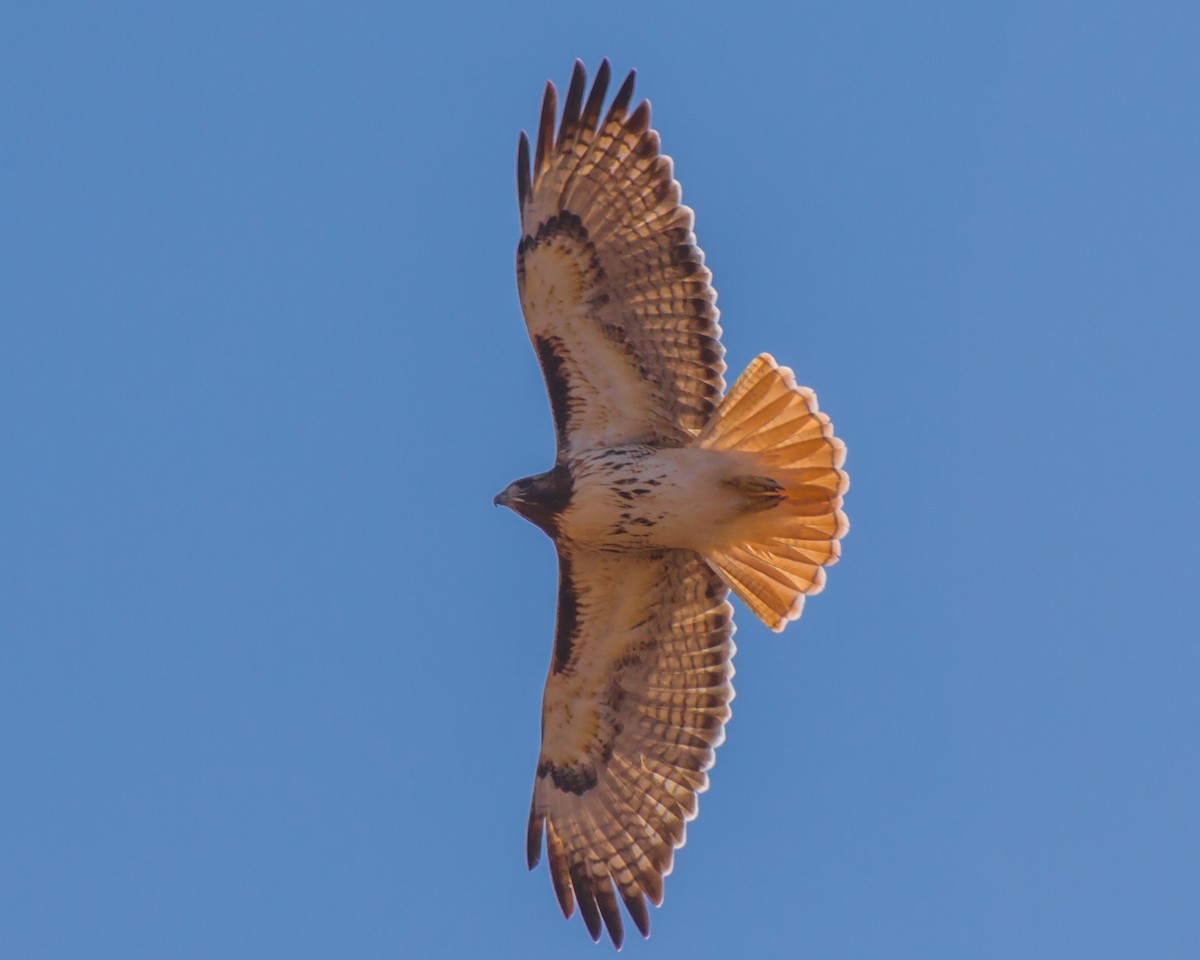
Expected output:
(663, 497)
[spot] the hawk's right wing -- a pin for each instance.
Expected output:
(635, 706)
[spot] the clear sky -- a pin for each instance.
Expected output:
(270, 660)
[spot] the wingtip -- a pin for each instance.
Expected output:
(523, 181)
(586, 901)
(636, 905)
(639, 121)
(591, 110)
(621, 101)
(545, 139)
(610, 912)
(533, 839)
(568, 129)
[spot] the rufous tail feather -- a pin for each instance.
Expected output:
(793, 515)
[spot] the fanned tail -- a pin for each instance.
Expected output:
(793, 496)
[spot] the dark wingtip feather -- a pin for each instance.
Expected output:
(636, 906)
(545, 139)
(595, 100)
(523, 188)
(653, 886)
(560, 871)
(563, 892)
(570, 118)
(586, 898)
(639, 121)
(609, 910)
(621, 101)
(533, 839)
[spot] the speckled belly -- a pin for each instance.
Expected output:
(640, 497)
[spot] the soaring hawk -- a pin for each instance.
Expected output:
(666, 494)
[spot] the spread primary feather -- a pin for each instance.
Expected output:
(664, 495)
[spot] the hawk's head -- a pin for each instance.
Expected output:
(539, 499)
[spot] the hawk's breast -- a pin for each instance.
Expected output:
(643, 498)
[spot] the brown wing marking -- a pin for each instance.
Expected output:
(566, 623)
(570, 281)
(551, 354)
(635, 707)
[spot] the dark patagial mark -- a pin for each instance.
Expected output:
(557, 385)
(566, 625)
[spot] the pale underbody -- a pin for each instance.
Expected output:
(646, 498)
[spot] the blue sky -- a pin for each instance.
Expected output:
(271, 661)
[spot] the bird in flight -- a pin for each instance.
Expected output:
(666, 493)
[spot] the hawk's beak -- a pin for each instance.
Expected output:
(501, 499)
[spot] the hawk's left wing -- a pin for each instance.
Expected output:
(635, 706)
(618, 302)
